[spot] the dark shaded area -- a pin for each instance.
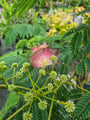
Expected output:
(0, 6)
(5, 49)
(3, 97)
(86, 86)
(3, 92)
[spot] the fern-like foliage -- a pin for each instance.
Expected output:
(19, 105)
(80, 46)
(67, 92)
(7, 13)
(82, 111)
(75, 94)
(11, 58)
(83, 108)
(48, 39)
(22, 31)
(57, 112)
(37, 113)
(27, 4)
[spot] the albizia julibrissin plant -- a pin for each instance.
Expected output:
(41, 57)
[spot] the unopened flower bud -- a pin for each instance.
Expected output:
(26, 64)
(11, 87)
(63, 78)
(1, 77)
(42, 72)
(14, 65)
(28, 96)
(42, 105)
(53, 74)
(4, 67)
(53, 58)
(23, 70)
(2, 63)
(18, 75)
(50, 86)
(70, 106)
(27, 116)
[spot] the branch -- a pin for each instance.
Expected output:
(3, 86)
(18, 111)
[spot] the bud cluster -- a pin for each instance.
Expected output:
(27, 116)
(70, 106)
(23, 70)
(25, 66)
(1, 77)
(11, 87)
(53, 58)
(50, 86)
(19, 75)
(28, 96)
(42, 72)
(42, 105)
(14, 65)
(53, 74)
(63, 78)
(3, 67)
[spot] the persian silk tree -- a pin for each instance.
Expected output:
(41, 101)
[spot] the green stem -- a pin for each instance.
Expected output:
(73, 13)
(55, 81)
(9, 78)
(35, 84)
(3, 86)
(79, 80)
(79, 87)
(22, 87)
(47, 70)
(44, 88)
(38, 79)
(50, 111)
(52, 91)
(14, 114)
(6, 83)
(53, 66)
(32, 82)
(20, 93)
(37, 98)
(13, 75)
(45, 82)
(30, 106)
(29, 76)
(54, 100)
(69, 66)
